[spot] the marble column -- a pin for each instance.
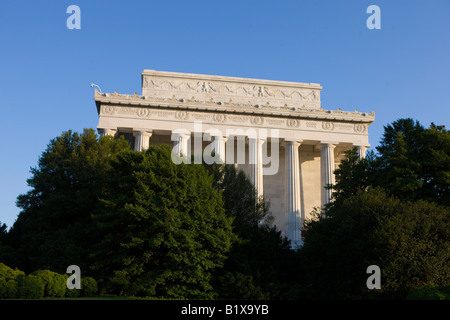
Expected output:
(256, 164)
(180, 144)
(361, 150)
(106, 132)
(292, 192)
(142, 139)
(327, 168)
(219, 148)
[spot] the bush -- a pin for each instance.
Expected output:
(3, 289)
(409, 241)
(31, 287)
(8, 281)
(11, 289)
(428, 293)
(71, 293)
(8, 289)
(8, 273)
(239, 286)
(54, 283)
(88, 286)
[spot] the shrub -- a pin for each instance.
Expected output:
(3, 289)
(88, 286)
(70, 293)
(11, 289)
(8, 281)
(428, 293)
(8, 289)
(8, 273)
(54, 283)
(31, 287)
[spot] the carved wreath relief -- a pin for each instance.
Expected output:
(241, 90)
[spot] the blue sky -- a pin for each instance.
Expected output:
(401, 70)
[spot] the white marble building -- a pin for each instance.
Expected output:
(276, 131)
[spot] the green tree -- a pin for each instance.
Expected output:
(409, 241)
(379, 216)
(7, 254)
(414, 162)
(163, 226)
(260, 262)
(413, 247)
(352, 175)
(239, 198)
(54, 228)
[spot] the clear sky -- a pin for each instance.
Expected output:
(401, 70)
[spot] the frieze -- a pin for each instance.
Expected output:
(143, 112)
(109, 103)
(107, 110)
(220, 89)
(292, 123)
(201, 116)
(256, 120)
(231, 90)
(311, 124)
(328, 125)
(182, 115)
(240, 119)
(276, 122)
(224, 118)
(162, 114)
(345, 127)
(219, 117)
(359, 128)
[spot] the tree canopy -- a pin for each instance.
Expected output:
(140, 224)
(390, 209)
(53, 229)
(144, 226)
(408, 240)
(163, 226)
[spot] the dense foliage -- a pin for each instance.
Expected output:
(14, 284)
(260, 264)
(163, 227)
(390, 209)
(54, 229)
(409, 241)
(143, 226)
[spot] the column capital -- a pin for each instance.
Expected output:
(295, 142)
(367, 146)
(142, 140)
(106, 131)
(176, 134)
(255, 137)
(209, 135)
(361, 150)
(143, 132)
(180, 138)
(330, 144)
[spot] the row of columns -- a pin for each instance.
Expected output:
(292, 170)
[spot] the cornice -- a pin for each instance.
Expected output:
(231, 107)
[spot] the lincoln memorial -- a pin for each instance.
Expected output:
(275, 131)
